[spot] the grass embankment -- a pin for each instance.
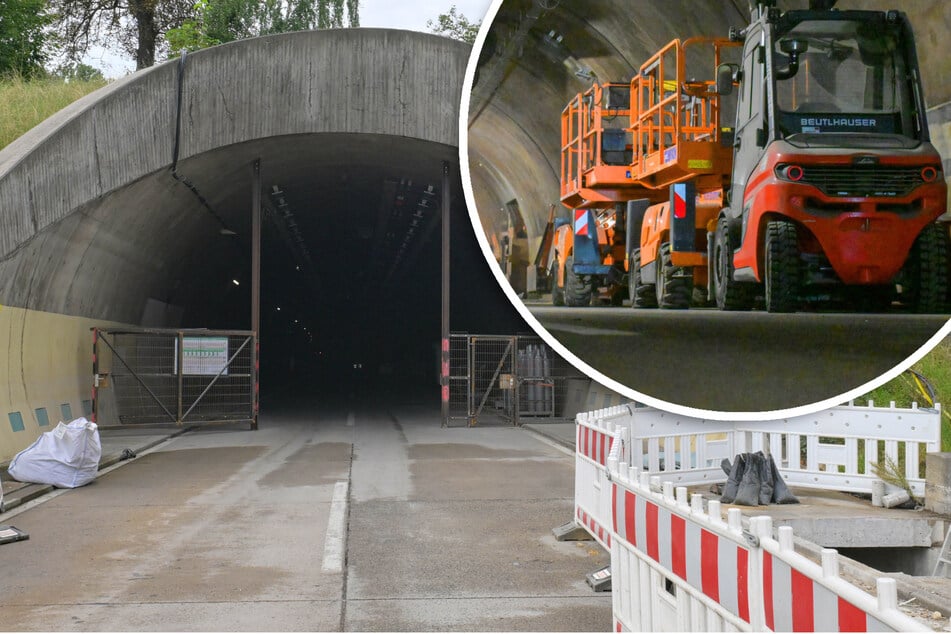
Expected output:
(936, 367)
(25, 103)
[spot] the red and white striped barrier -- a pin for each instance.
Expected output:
(594, 441)
(675, 567)
(799, 595)
(678, 567)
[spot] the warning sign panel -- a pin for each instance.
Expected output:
(204, 355)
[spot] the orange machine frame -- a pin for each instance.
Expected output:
(673, 129)
(676, 128)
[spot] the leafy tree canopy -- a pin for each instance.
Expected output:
(219, 21)
(455, 25)
(22, 40)
(134, 26)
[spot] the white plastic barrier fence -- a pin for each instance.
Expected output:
(832, 449)
(595, 437)
(678, 567)
(803, 596)
(838, 448)
(673, 567)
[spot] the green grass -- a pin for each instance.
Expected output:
(936, 367)
(25, 103)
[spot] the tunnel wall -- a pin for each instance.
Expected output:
(94, 222)
(47, 364)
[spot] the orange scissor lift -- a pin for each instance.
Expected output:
(640, 150)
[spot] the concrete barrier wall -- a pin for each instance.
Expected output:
(45, 368)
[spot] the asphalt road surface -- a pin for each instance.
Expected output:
(738, 361)
(365, 519)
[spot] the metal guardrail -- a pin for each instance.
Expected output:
(180, 377)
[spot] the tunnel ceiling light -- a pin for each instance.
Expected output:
(236, 282)
(225, 231)
(278, 308)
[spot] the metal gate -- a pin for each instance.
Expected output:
(167, 376)
(500, 380)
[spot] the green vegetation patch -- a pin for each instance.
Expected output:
(25, 103)
(904, 390)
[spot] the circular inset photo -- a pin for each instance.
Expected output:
(716, 206)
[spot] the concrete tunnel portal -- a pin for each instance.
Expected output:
(132, 207)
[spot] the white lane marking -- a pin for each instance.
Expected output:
(350, 419)
(336, 540)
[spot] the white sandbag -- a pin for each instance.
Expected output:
(66, 457)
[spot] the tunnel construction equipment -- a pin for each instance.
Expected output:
(827, 188)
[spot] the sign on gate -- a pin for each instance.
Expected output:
(203, 355)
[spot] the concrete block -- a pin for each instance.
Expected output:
(863, 531)
(938, 482)
(571, 532)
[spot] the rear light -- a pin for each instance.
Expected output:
(792, 173)
(929, 174)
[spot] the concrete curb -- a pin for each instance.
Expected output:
(31, 492)
(539, 430)
(868, 576)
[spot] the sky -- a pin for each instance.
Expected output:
(405, 14)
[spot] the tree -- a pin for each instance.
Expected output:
(219, 21)
(455, 25)
(136, 26)
(22, 38)
(80, 72)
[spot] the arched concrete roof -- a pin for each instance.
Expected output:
(523, 82)
(121, 196)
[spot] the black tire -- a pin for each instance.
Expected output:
(557, 291)
(672, 292)
(928, 274)
(642, 295)
(577, 287)
(783, 267)
(729, 294)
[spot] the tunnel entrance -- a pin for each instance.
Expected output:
(351, 254)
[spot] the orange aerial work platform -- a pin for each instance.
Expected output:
(676, 128)
(623, 142)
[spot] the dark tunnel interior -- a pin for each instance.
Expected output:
(351, 284)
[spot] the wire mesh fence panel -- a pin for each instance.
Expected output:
(536, 393)
(143, 376)
(217, 379)
(492, 379)
(543, 379)
(459, 393)
(175, 376)
(497, 379)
